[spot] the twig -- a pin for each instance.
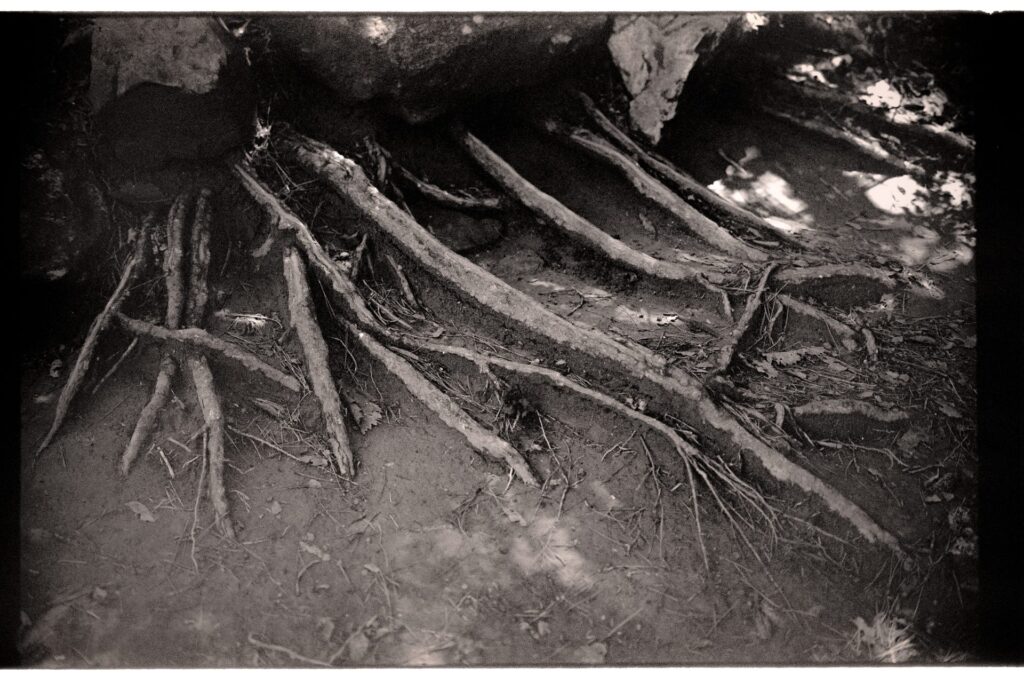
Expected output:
(116, 365)
(287, 651)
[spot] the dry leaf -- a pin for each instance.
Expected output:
(948, 410)
(275, 508)
(141, 510)
(370, 418)
(313, 550)
(589, 654)
(358, 646)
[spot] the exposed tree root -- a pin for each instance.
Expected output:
(633, 361)
(483, 441)
(575, 226)
(99, 324)
(741, 332)
(658, 193)
(195, 337)
(840, 284)
(403, 282)
(951, 142)
(844, 331)
(864, 145)
(174, 281)
(314, 349)
(713, 205)
(447, 199)
(209, 402)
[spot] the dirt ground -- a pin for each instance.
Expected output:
(433, 556)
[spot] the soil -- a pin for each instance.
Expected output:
(433, 556)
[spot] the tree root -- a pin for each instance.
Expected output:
(209, 402)
(577, 228)
(174, 281)
(839, 418)
(742, 329)
(633, 361)
(845, 332)
(314, 348)
(99, 324)
(658, 193)
(449, 200)
(436, 400)
(715, 206)
(840, 284)
(863, 145)
(195, 337)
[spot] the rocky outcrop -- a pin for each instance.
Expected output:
(168, 88)
(655, 54)
(425, 65)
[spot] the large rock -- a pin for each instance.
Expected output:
(654, 54)
(427, 64)
(168, 88)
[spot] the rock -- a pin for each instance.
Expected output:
(654, 55)
(168, 88)
(428, 64)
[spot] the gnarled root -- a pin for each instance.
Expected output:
(209, 402)
(483, 441)
(704, 199)
(574, 226)
(741, 332)
(174, 281)
(658, 193)
(99, 324)
(638, 364)
(314, 349)
(445, 198)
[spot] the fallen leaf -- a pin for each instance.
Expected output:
(315, 551)
(314, 484)
(141, 510)
(948, 410)
(910, 440)
(971, 342)
(371, 415)
(275, 508)
(55, 367)
(43, 398)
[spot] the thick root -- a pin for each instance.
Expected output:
(192, 338)
(844, 331)
(658, 193)
(174, 281)
(150, 413)
(574, 226)
(99, 324)
(209, 402)
(631, 360)
(863, 145)
(314, 349)
(483, 441)
(716, 207)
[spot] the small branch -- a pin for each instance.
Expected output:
(194, 337)
(287, 651)
(449, 200)
(99, 324)
(357, 258)
(403, 282)
(314, 349)
(116, 365)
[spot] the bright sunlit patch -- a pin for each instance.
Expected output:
(807, 72)
(899, 195)
(881, 95)
(378, 29)
(787, 226)
(754, 20)
(958, 187)
(863, 179)
(770, 191)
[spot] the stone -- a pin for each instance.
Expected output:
(166, 89)
(426, 65)
(654, 55)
